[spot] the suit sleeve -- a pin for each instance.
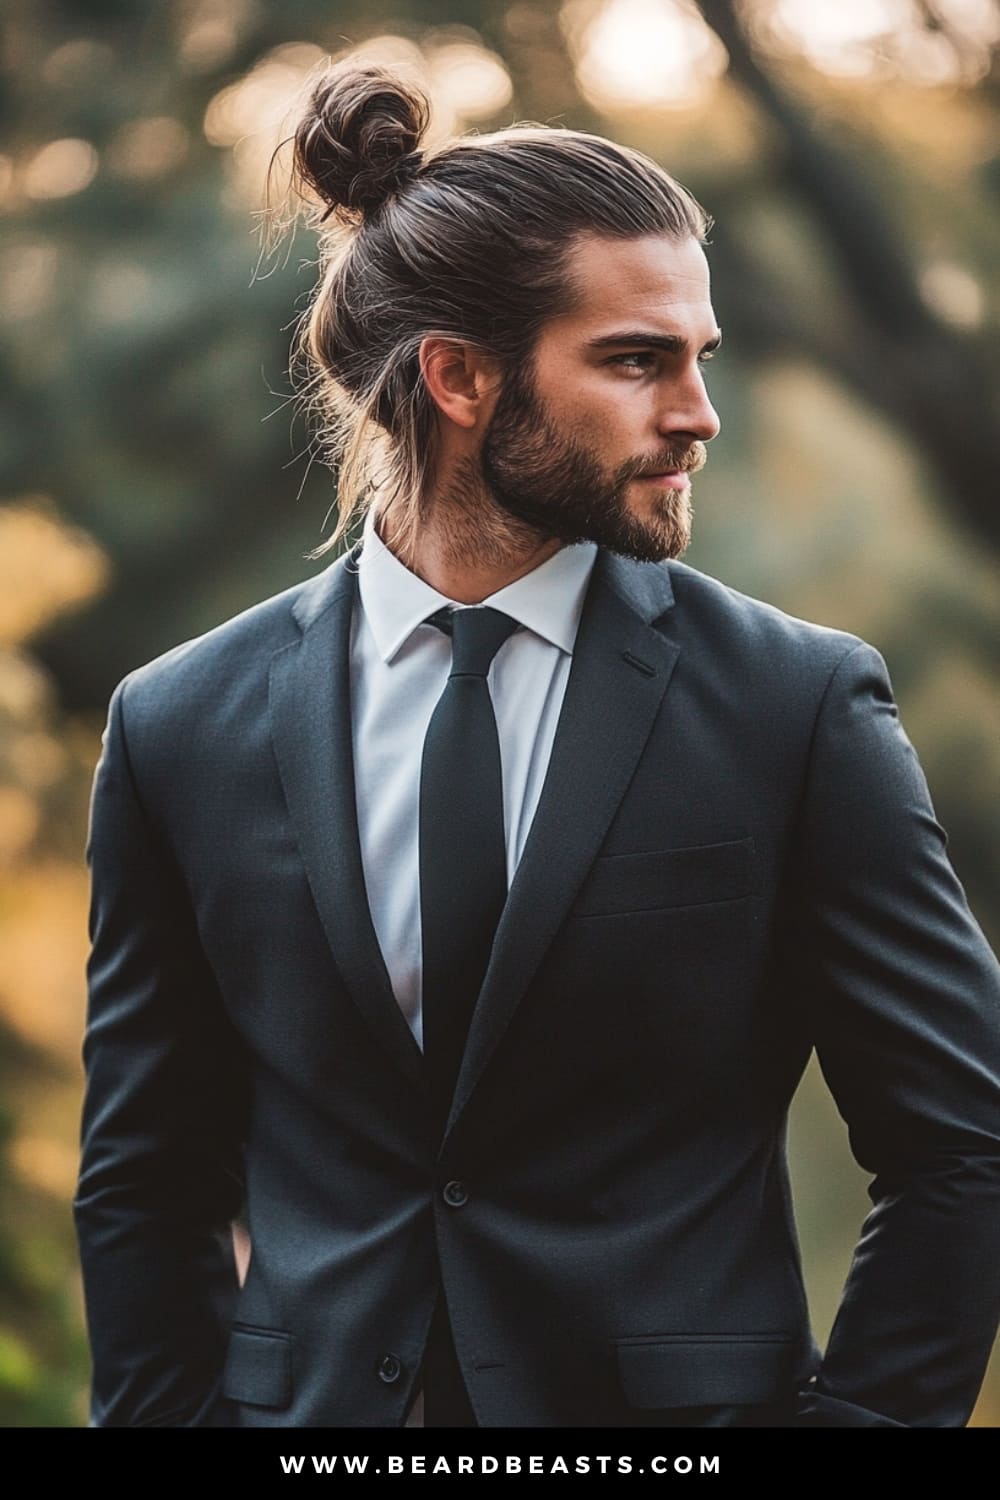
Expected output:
(902, 995)
(160, 1172)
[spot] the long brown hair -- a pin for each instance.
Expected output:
(466, 242)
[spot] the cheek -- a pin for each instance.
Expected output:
(602, 418)
(607, 415)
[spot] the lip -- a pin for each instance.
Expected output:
(675, 479)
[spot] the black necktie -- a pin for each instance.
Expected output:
(463, 862)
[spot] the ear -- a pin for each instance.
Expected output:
(464, 383)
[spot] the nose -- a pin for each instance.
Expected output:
(687, 411)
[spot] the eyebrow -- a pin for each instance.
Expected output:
(673, 342)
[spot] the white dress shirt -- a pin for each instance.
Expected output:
(399, 667)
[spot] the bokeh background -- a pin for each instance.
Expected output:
(156, 475)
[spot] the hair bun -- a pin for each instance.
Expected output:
(359, 139)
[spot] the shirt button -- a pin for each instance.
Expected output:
(390, 1367)
(455, 1193)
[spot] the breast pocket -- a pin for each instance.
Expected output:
(653, 879)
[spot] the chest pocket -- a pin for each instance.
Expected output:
(654, 879)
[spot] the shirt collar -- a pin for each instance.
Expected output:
(548, 600)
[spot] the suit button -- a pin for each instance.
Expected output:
(455, 1193)
(390, 1367)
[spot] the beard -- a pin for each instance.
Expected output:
(550, 486)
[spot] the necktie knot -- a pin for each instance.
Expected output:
(477, 633)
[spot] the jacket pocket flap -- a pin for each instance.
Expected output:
(712, 1370)
(657, 878)
(258, 1367)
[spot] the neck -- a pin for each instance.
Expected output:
(466, 547)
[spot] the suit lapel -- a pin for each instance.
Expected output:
(620, 671)
(309, 699)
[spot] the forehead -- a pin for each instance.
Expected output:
(655, 278)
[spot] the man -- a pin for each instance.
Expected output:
(464, 916)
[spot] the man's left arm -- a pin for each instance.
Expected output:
(902, 998)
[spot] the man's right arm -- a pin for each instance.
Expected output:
(161, 1166)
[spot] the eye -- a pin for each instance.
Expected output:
(645, 360)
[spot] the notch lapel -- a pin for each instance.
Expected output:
(310, 709)
(620, 672)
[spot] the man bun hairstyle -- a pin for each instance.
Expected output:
(468, 241)
(359, 141)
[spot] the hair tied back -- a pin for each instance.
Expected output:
(358, 140)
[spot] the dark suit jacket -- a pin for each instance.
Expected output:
(735, 858)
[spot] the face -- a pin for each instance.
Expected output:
(614, 396)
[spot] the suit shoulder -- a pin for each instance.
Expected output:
(755, 627)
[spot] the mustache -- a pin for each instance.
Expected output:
(686, 461)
